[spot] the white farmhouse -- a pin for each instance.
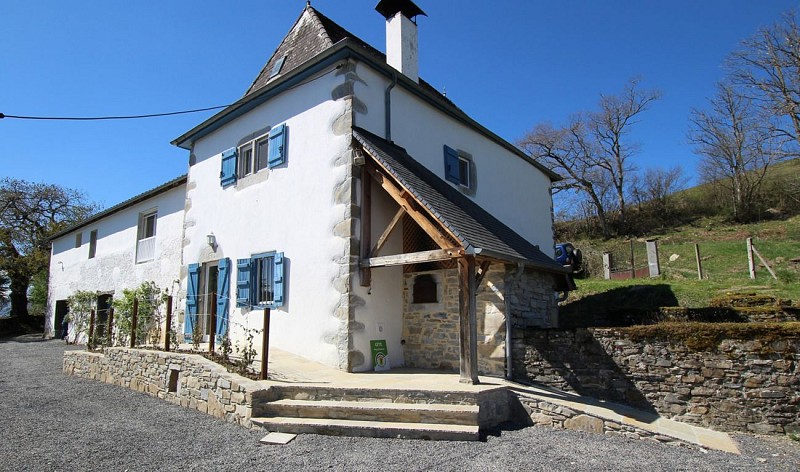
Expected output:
(355, 203)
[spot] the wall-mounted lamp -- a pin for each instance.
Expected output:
(211, 239)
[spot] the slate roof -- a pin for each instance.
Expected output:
(470, 223)
(310, 35)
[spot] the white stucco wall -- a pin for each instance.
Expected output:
(114, 266)
(290, 208)
(508, 187)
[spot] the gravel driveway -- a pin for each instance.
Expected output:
(49, 421)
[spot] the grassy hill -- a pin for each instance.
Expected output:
(724, 260)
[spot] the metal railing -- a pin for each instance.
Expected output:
(146, 249)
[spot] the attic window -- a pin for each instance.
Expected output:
(276, 69)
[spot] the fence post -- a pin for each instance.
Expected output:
(168, 329)
(134, 320)
(110, 326)
(652, 258)
(90, 341)
(607, 260)
(633, 267)
(699, 264)
(265, 346)
(750, 262)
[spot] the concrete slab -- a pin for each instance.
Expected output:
(277, 438)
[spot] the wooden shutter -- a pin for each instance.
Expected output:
(223, 296)
(451, 171)
(279, 281)
(227, 176)
(277, 146)
(242, 282)
(191, 301)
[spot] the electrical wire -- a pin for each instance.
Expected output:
(100, 118)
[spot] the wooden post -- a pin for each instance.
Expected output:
(751, 264)
(168, 329)
(366, 225)
(111, 326)
(766, 264)
(90, 341)
(467, 320)
(212, 329)
(633, 267)
(699, 263)
(134, 320)
(265, 347)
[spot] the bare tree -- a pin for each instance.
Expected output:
(768, 69)
(571, 151)
(737, 145)
(610, 127)
(29, 214)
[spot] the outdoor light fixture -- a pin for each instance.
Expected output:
(211, 239)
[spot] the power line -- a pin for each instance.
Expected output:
(99, 118)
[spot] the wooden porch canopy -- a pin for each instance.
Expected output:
(461, 229)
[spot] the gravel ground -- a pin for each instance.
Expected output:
(49, 421)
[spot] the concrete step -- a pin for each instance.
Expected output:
(375, 429)
(314, 392)
(373, 411)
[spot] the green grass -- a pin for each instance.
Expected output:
(724, 259)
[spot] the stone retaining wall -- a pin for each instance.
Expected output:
(748, 386)
(188, 380)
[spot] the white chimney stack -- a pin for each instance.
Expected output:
(402, 50)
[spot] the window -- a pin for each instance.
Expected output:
(260, 281)
(78, 240)
(92, 244)
(425, 289)
(458, 168)
(146, 236)
(265, 151)
(276, 69)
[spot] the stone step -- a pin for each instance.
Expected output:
(313, 392)
(375, 429)
(373, 411)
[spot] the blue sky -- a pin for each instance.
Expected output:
(508, 64)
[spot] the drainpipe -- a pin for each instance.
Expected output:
(388, 106)
(509, 370)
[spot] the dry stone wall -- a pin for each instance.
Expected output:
(750, 386)
(188, 380)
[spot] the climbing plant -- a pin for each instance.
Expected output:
(81, 304)
(149, 315)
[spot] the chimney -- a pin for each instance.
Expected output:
(401, 35)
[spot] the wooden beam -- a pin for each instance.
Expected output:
(419, 217)
(387, 232)
(467, 321)
(482, 273)
(366, 225)
(412, 258)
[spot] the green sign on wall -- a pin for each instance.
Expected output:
(380, 354)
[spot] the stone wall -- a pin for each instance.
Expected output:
(748, 386)
(531, 298)
(188, 380)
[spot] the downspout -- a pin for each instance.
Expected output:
(509, 365)
(388, 106)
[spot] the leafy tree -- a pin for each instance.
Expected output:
(29, 214)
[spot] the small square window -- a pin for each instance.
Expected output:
(463, 171)
(246, 160)
(276, 69)
(262, 153)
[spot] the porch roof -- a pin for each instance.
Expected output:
(475, 228)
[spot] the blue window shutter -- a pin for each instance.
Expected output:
(223, 296)
(191, 301)
(243, 282)
(279, 283)
(451, 165)
(277, 146)
(227, 176)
